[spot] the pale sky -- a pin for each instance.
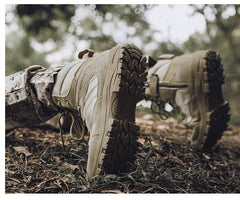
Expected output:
(175, 23)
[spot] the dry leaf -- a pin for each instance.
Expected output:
(206, 156)
(163, 127)
(112, 191)
(23, 149)
(70, 166)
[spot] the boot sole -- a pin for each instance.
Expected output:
(214, 111)
(124, 87)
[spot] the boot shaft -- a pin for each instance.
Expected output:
(72, 82)
(171, 74)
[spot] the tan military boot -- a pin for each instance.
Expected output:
(192, 82)
(102, 91)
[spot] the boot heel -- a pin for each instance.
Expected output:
(121, 146)
(217, 124)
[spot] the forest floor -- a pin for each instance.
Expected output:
(35, 162)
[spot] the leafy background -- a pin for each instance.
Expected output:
(42, 34)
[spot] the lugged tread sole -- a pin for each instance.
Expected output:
(217, 124)
(217, 111)
(121, 144)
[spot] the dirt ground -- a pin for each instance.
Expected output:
(36, 162)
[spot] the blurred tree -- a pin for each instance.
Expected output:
(222, 34)
(39, 23)
(45, 22)
(103, 29)
(60, 26)
(18, 51)
(167, 47)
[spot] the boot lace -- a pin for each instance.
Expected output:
(80, 125)
(158, 107)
